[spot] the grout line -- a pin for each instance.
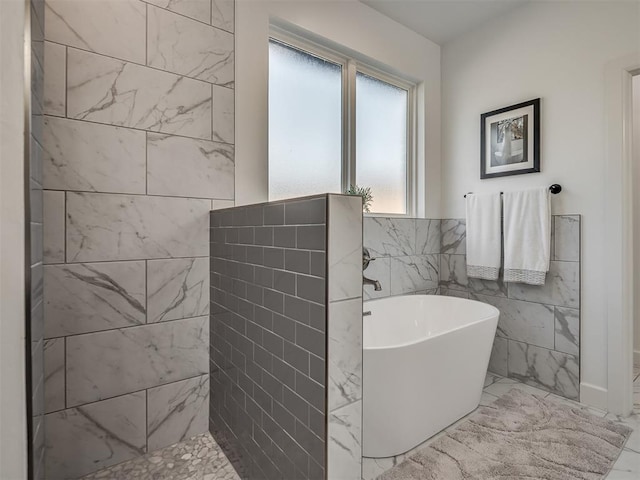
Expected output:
(86, 192)
(124, 260)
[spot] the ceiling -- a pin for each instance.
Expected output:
(442, 20)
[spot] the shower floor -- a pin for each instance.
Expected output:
(199, 458)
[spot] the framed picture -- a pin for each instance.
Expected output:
(510, 140)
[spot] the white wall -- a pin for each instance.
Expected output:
(636, 213)
(556, 51)
(13, 427)
(364, 33)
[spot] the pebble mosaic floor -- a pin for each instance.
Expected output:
(200, 458)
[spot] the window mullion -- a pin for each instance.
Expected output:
(349, 131)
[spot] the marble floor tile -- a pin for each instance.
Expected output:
(491, 378)
(628, 463)
(632, 421)
(503, 386)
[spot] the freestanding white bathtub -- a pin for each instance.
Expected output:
(424, 364)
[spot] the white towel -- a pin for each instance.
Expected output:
(527, 236)
(483, 236)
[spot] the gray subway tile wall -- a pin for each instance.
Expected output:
(268, 343)
(138, 148)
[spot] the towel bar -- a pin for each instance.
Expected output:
(555, 189)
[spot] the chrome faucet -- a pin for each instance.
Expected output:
(366, 259)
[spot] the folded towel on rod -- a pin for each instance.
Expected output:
(483, 235)
(527, 236)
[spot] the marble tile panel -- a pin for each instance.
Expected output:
(111, 28)
(632, 421)
(379, 269)
(390, 237)
(567, 238)
(344, 449)
(177, 411)
(105, 90)
(454, 236)
(82, 440)
(177, 288)
(126, 227)
(523, 321)
(345, 247)
(427, 236)
(91, 157)
(53, 212)
(453, 293)
(499, 356)
(628, 463)
(547, 369)
(179, 45)
(196, 9)
(223, 14)
(90, 297)
(453, 272)
(223, 114)
(54, 375)
(495, 288)
(55, 60)
(567, 330)
(220, 204)
(414, 273)
(345, 353)
(135, 358)
(561, 288)
(504, 385)
(185, 167)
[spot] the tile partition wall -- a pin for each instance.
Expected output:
(538, 338)
(36, 329)
(138, 135)
(286, 337)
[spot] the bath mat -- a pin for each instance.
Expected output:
(519, 436)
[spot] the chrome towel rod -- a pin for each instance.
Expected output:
(555, 189)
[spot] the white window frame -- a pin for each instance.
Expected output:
(350, 67)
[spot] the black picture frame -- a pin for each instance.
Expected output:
(510, 140)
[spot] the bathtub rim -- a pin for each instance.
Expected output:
(495, 313)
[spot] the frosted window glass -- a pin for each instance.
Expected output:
(305, 123)
(381, 143)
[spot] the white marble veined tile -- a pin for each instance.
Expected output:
(567, 330)
(495, 288)
(562, 286)
(553, 371)
(223, 114)
(345, 247)
(453, 293)
(111, 28)
(427, 236)
(523, 321)
(628, 463)
(414, 273)
(55, 60)
(567, 238)
(220, 204)
(390, 237)
(54, 374)
(197, 9)
(180, 45)
(91, 157)
(185, 167)
(135, 358)
(106, 90)
(177, 288)
(574, 404)
(89, 297)
(345, 353)
(454, 236)
(504, 385)
(82, 440)
(53, 212)
(177, 411)
(223, 14)
(632, 421)
(124, 227)
(344, 450)
(380, 270)
(499, 356)
(453, 272)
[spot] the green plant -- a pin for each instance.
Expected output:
(365, 193)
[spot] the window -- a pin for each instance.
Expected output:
(334, 122)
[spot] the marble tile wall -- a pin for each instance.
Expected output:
(344, 396)
(406, 253)
(37, 373)
(538, 337)
(268, 336)
(137, 148)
